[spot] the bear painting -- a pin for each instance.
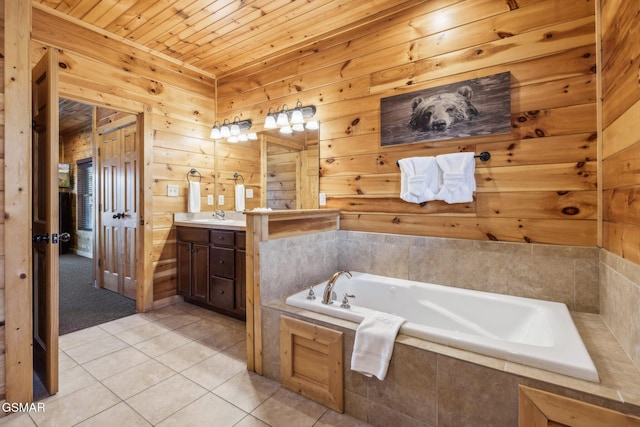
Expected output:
(439, 112)
(480, 106)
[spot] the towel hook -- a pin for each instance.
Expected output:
(193, 172)
(484, 157)
(236, 176)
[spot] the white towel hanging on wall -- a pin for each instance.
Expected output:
(458, 177)
(193, 201)
(420, 179)
(239, 197)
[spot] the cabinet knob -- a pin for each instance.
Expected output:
(221, 292)
(221, 262)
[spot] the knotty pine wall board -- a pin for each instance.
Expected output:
(541, 184)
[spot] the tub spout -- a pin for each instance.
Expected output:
(326, 297)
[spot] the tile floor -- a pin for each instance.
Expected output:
(177, 366)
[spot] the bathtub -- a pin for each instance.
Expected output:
(523, 330)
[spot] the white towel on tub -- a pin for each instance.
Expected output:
(193, 197)
(374, 342)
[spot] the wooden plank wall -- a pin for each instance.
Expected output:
(96, 68)
(540, 185)
(621, 135)
(2, 210)
(76, 146)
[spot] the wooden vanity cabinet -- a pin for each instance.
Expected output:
(212, 269)
(193, 264)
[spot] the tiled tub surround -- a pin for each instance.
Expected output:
(620, 301)
(431, 384)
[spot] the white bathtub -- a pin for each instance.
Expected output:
(528, 331)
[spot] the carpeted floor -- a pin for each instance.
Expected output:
(81, 304)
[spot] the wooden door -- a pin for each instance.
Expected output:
(119, 209)
(45, 220)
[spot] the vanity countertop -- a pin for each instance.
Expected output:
(232, 221)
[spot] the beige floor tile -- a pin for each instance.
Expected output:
(201, 329)
(238, 351)
(162, 344)
(286, 408)
(186, 356)
(141, 333)
(214, 371)
(251, 421)
(17, 420)
(116, 362)
(138, 378)
(65, 362)
(224, 339)
(119, 415)
(81, 337)
(76, 407)
(247, 390)
(163, 399)
(124, 323)
(334, 419)
(95, 349)
(161, 313)
(72, 380)
(178, 320)
(209, 410)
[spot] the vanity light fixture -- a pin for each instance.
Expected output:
(292, 120)
(232, 131)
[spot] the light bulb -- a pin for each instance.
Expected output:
(243, 137)
(312, 125)
(286, 129)
(270, 122)
(224, 131)
(252, 136)
(215, 132)
(235, 129)
(296, 117)
(282, 119)
(232, 139)
(299, 127)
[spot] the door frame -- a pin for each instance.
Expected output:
(16, 231)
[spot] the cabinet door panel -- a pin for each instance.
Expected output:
(184, 268)
(241, 287)
(200, 273)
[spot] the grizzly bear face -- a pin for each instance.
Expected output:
(439, 112)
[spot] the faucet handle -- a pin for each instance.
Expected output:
(345, 301)
(311, 295)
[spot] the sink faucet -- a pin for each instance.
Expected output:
(219, 213)
(326, 297)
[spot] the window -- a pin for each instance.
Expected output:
(85, 194)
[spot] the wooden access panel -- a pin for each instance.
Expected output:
(311, 362)
(537, 408)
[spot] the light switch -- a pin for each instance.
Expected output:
(249, 193)
(221, 200)
(323, 199)
(210, 199)
(172, 190)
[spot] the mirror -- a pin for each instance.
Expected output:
(291, 169)
(279, 171)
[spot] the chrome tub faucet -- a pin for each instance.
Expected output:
(328, 290)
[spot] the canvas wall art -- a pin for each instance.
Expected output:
(480, 106)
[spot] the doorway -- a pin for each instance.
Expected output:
(84, 301)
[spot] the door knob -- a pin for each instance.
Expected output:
(65, 237)
(118, 215)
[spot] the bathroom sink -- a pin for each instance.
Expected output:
(214, 223)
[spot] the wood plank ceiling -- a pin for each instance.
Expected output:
(223, 36)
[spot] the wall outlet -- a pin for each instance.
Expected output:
(249, 194)
(322, 199)
(172, 190)
(210, 199)
(221, 200)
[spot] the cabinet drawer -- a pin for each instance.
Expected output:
(221, 293)
(222, 238)
(195, 235)
(241, 240)
(222, 261)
